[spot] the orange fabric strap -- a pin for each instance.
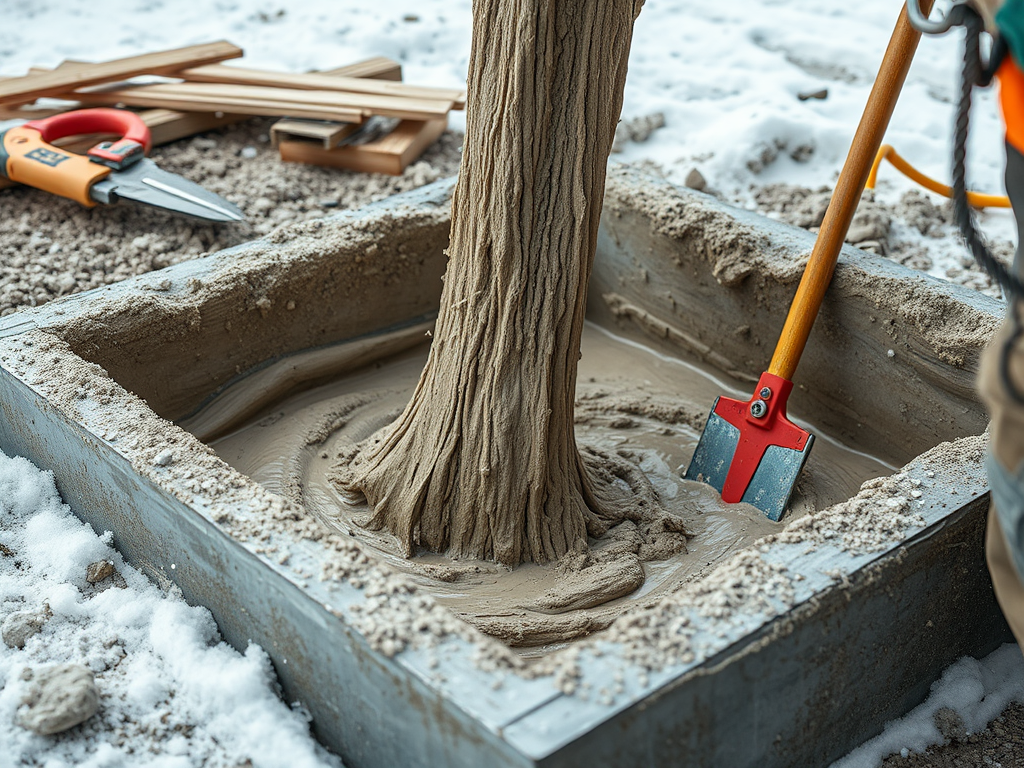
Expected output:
(1011, 99)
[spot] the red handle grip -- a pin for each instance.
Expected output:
(125, 124)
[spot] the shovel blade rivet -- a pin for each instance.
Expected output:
(765, 393)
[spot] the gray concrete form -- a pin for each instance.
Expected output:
(868, 635)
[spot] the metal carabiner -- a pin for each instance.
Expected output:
(923, 24)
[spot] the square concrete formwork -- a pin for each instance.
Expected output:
(867, 636)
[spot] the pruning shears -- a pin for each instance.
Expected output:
(110, 171)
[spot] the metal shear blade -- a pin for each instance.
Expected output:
(145, 183)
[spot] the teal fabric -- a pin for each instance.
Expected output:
(1010, 20)
(1008, 496)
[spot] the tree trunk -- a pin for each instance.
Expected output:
(483, 462)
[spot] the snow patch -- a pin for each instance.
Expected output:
(172, 693)
(975, 690)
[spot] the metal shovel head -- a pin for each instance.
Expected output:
(748, 458)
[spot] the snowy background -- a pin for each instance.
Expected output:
(726, 77)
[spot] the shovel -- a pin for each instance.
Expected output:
(750, 451)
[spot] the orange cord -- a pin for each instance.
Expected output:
(975, 199)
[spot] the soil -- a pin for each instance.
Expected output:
(50, 247)
(1000, 745)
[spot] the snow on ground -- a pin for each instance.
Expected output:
(726, 77)
(969, 695)
(172, 694)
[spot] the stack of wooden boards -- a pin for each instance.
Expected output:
(322, 110)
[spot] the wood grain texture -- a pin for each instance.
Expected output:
(377, 68)
(199, 102)
(277, 99)
(220, 73)
(846, 196)
(63, 79)
(31, 112)
(167, 125)
(483, 462)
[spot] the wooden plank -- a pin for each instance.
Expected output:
(219, 73)
(189, 123)
(376, 68)
(243, 106)
(328, 133)
(22, 89)
(32, 113)
(281, 98)
(390, 155)
(167, 125)
(402, 107)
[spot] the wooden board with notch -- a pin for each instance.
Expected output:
(390, 154)
(327, 132)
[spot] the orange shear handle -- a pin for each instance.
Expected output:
(27, 157)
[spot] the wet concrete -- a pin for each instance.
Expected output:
(632, 400)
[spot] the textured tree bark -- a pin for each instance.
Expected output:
(483, 462)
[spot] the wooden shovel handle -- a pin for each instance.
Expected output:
(867, 140)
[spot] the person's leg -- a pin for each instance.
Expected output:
(1008, 588)
(1004, 545)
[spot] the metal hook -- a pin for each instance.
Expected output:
(923, 24)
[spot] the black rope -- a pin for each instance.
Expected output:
(976, 73)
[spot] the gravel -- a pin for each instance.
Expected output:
(52, 247)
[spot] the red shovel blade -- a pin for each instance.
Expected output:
(750, 451)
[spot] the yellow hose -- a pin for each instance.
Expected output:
(975, 199)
